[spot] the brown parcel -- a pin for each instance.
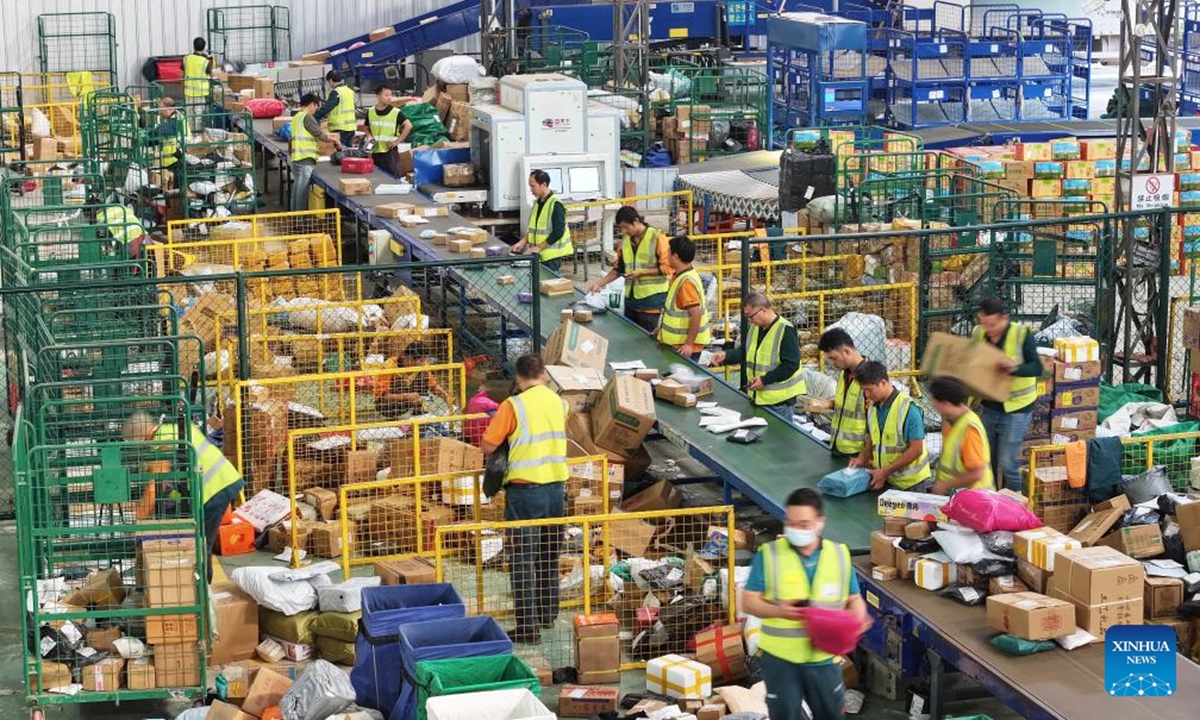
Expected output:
(54, 675)
(324, 500)
(578, 701)
(975, 363)
(237, 625)
(409, 571)
(1095, 526)
(355, 186)
(1036, 578)
(662, 495)
(1163, 597)
(883, 552)
(1188, 516)
(578, 386)
(360, 466)
(575, 345)
(139, 674)
(326, 539)
(176, 666)
(1097, 575)
(266, 691)
(598, 654)
(1140, 541)
(623, 415)
(102, 638)
(895, 526)
(104, 676)
(1031, 616)
(224, 711)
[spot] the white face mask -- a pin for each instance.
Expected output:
(799, 538)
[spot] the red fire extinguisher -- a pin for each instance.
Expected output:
(752, 135)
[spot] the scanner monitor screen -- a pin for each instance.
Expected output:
(585, 180)
(556, 179)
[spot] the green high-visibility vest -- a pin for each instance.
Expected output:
(539, 230)
(887, 443)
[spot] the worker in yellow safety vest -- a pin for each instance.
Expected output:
(220, 481)
(120, 224)
(197, 81)
(965, 460)
(306, 132)
(774, 375)
(170, 132)
(644, 261)
(388, 127)
(534, 424)
(800, 569)
(849, 432)
(339, 108)
(895, 449)
(1008, 422)
(685, 323)
(547, 233)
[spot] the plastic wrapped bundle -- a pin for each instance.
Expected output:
(320, 691)
(845, 483)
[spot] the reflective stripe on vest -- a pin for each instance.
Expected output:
(540, 224)
(850, 417)
(1024, 389)
(341, 118)
(674, 328)
(643, 257)
(196, 82)
(950, 464)
(888, 444)
(170, 145)
(383, 129)
(122, 224)
(787, 580)
(537, 449)
(304, 143)
(216, 472)
(763, 357)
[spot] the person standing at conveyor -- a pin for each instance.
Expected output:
(801, 568)
(534, 424)
(895, 448)
(197, 82)
(339, 108)
(775, 377)
(1008, 422)
(388, 127)
(685, 324)
(645, 263)
(849, 432)
(306, 131)
(966, 459)
(547, 234)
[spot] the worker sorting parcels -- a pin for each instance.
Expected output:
(306, 131)
(534, 424)
(775, 377)
(684, 326)
(220, 481)
(965, 460)
(895, 448)
(645, 263)
(1008, 422)
(197, 81)
(339, 108)
(388, 127)
(801, 568)
(849, 432)
(547, 234)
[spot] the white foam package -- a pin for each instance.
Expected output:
(345, 597)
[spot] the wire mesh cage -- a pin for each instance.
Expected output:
(250, 34)
(78, 42)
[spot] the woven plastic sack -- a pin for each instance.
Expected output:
(833, 631)
(264, 108)
(986, 511)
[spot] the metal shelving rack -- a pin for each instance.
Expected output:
(73, 42)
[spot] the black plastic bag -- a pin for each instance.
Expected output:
(992, 567)
(497, 468)
(999, 542)
(965, 594)
(1140, 516)
(924, 545)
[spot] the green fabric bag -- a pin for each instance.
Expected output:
(1013, 645)
(427, 127)
(474, 674)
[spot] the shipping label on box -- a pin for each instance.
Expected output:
(1072, 421)
(915, 506)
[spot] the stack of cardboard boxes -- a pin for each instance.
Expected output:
(167, 572)
(598, 649)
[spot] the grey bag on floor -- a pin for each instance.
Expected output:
(1146, 486)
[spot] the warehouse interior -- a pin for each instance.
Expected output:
(527, 359)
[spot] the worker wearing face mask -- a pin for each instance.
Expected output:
(801, 568)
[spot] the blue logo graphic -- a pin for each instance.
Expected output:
(1139, 660)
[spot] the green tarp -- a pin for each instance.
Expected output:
(427, 127)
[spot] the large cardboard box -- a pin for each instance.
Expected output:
(1163, 597)
(623, 415)
(224, 711)
(883, 551)
(578, 386)
(1097, 575)
(598, 654)
(1095, 526)
(266, 691)
(662, 495)
(1188, 516)
(1097, 619)
(975, 363)
(574, 345)
(177, 665)
(723, 651)
(236, 624)
(103, 676)
(1031, 616)
(580, 701)
(409, 571)
(1139, 541)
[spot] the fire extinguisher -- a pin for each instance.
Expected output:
(752, 135)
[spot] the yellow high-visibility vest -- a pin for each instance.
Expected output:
(1024, 389)
(673, 329)
(643, 257)
(122, 224)
(849, 417)
(341, 119)
(216, 472)
(170, 145)
(950, 463)
(196, 81)
(304, 143)
(383, 129)
(540, 222)
(763, 357)
(786, 581)
(537, 449)
(887, 443)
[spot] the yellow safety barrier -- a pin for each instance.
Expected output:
(380, 519)
(262, 226)
(579, 563)
(57, 96)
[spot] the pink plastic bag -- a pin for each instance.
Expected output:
(833, 631)
(265, 107)
(986, 511)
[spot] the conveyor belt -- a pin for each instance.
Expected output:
(766, 472)
(1051, 684)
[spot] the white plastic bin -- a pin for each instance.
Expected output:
(490, 705)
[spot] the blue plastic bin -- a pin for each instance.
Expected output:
(475, 636)
(376, 673)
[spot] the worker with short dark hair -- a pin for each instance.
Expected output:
(1008, 422)
(170, 131)
(197, 80)
(685, 325)
(775, 377)
(966, 459)
(388, 127)
(645, 263)
(339, 108)
(547, 234)
(895, 448)
(849, 404)
(534, 424)
(802, 568)
(306, 131)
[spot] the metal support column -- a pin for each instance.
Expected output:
(498, 32)
(631, 43)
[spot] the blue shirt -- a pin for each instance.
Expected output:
(914, 424)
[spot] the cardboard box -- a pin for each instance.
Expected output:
(711, 711)
(355, 186)
(1073, 421)
(169, 578)
(458, 174)
(266, 691)
(279, 537)
(911, 505)
(574, 345)
(723, 651)
(580, 701)
(598, 654)
(1095, 526)
(236, 624)
(1076, 372)
(596, 625)
(54, 675)
(632, 537)
(894, 526)
(1033, 576)
(883, 573)
(1097, 619)
(1163, 597)
(381, 33)
(555, 287)
(1188, 516)
(883, 551)
(408, 571)
(177, 665)
(578, 386)
(1191, 328)
(1042, 545)
(103, 676)
(1031, 616)
(1003, 584)
(623, 415)
(1140, 541)
(1097, 575)
(139, 674)
(102, 638)
(1184, 632)
(906, 563)
(1076, 397)
(975, 363)
(224, 711)
(324, 500)
(662, 495)
(264, 87)
(917, 530)
(361, 467)
(677, 676)
(325, 540)
(458, 126)
(456, 91)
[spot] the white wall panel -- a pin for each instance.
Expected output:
(161, 27)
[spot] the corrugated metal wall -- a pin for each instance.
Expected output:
(162, 27)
